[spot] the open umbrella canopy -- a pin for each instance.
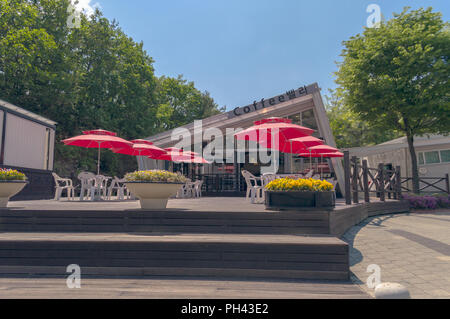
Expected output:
(139, 141)
(322, 149)
(324, 155)
(302, 144)
(196, 160)
(97, 139)
(89, 140)
(274, 133)
(173, 154)
(140, 150)
(100, 132)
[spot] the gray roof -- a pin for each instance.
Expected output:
(26, 114)
(399, 143)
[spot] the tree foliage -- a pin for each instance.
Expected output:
(350, 130)
(180, 102)
(397, 76)
(94, 76)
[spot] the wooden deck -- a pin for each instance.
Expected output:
(208, 238)
(206, 215)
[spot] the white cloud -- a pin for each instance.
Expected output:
(86, 6)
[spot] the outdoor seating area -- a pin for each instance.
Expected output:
(104, 188)
(91, 188)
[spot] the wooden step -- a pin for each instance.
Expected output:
(169, 221)
(218, 255)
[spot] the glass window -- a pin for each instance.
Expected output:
(421, 159)
(309, 120)
(432, 157)
(296, 119)
(445, 156)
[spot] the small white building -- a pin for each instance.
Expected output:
(433, 154)
(27, 144)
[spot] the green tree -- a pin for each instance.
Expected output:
(179, 102)
(94, 76)
(396, 76)
(349, 129)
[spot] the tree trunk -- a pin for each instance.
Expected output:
(415, 167)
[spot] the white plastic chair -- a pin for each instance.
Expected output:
(100, 188)
(61, 185)
(118, 185)
(253, 187)
(187, 190)
(198, 189)
(310, 174)
(87, 185)
(265, 180)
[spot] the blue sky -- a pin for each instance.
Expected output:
(245, 50)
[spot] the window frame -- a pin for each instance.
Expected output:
(422, 153)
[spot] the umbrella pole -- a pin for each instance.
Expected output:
(98, 160)
(310, 160)
(321, 167)
(292, 159)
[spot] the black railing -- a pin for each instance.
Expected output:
(222, 184)
(429, 184)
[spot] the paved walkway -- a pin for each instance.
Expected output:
(413, 250)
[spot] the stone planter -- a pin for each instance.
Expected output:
(153, 195)
(8, 189)
(278, 200)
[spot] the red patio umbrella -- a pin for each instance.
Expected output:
(173, 154)
(321, 155)
(140, 149)
(199, 160)
(97, 139)
(302, 144)
(279, 129)
(274, 129)
(140, 141)
(323, 149)
(324, 155)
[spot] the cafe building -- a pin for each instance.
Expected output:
(304, 106)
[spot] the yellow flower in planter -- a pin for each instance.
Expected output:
(11, 175)
(305, 185)
(155, 176)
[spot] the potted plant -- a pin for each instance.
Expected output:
(153, 188)
(11, 183)
(291, 193)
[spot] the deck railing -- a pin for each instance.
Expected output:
(429, 184)
(361, 179)
(382, 182)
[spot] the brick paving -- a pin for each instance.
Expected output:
(411, 249)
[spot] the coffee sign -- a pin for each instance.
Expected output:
(256, 106)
